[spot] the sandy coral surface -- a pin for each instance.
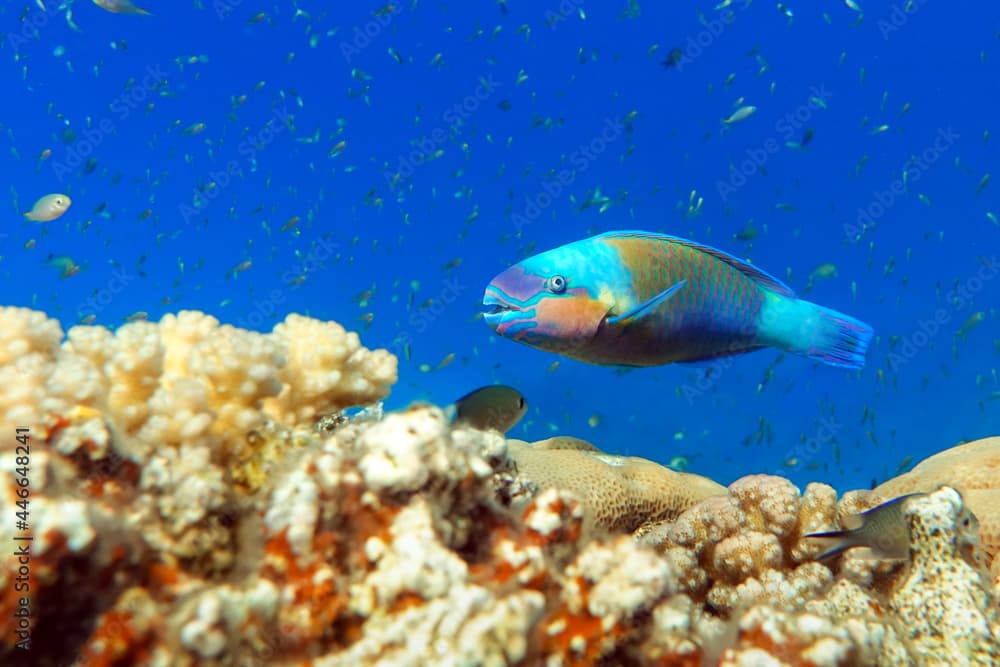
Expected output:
(198, 498)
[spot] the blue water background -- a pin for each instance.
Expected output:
(157, 248)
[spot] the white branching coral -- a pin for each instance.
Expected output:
(185, 378)
(327, 370)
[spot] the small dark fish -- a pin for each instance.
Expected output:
(497, 407)
(673, 58)
(505, 105)
(882, 530)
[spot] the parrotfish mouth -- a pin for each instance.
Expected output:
(497, 307)
(508, 316)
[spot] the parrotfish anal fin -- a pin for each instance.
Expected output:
(751, 271)
(646, 306)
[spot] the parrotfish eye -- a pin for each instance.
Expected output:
(556, 284)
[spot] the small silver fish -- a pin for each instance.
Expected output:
(120, 7)
(884, 532)
(49, 208)
(497, 407)
(742, 113)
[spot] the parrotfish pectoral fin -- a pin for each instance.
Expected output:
(645, 307)
(813, 331)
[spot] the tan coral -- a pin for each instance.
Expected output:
(619, 493)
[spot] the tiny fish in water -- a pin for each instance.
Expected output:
(65, 265)
(674, 57)
(642, 299)
(120, 7)
(49, 208)
(740, 114)
(496, 407)
(882, 530)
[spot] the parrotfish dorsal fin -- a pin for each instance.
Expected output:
(646, 306)
(751, 271)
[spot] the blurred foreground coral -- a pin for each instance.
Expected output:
(197, 499)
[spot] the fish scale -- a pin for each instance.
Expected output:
(714, 310)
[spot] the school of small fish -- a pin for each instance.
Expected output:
(344, 217)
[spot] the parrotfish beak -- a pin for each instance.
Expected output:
(508, 302)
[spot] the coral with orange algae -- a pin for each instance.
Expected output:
(943, 604)
(973, 469)
(618, 493)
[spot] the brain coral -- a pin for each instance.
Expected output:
(618, 493)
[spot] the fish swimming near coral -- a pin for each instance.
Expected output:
(884, 532)
(635, 298)
(496, 407)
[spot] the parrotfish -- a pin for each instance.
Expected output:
(49, 208)
(635, 298)
(496, 407)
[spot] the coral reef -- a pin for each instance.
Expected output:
(195, 499)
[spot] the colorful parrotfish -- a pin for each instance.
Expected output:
(636, 298)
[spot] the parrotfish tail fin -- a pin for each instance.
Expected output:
(823, 334)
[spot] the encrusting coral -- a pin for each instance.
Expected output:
(194, 501)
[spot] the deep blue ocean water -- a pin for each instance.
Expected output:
(407, 137)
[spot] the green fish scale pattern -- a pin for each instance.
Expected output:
(715, 313)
